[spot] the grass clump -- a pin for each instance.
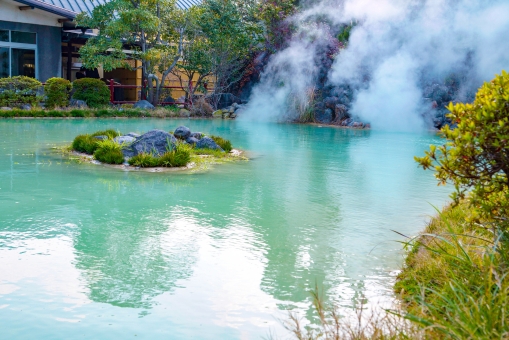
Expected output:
(225, 144)
(85, 143)
(178, 157)
(109, 152)
(144, 160)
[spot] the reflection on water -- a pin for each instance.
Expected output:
(220, 254)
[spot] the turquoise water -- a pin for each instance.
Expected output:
(97, 253)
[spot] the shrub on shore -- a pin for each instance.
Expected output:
(93, 91)
(179, 156)
(144, 160)
(58, 91)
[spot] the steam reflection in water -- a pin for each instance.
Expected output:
(221, 254)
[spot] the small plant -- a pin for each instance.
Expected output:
(93, 91)
(225, 144)
(178, 157)
(85, 143)
(57, 92)
(109, 152)
(144, 160)
(16, 91)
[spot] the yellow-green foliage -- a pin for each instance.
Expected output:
(455, 281)
(225, 144)
(57, 92)
(109, 152)
(110, 133)
(475, 157)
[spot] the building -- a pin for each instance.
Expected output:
(38, 38)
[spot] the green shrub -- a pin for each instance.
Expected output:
(15, 91)
(57, 92)
(110, 133)
(144, 160)
(225, 144)
(109, 152)
(78, 113)
(178, 157)
(85, 143)
(93, 91)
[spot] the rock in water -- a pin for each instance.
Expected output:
(182, 132)
(124, 139)
(143, 104)
(156, 142)
(196, 135)
(207, 143)
(192, 140)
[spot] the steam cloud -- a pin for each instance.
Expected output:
(397, 47)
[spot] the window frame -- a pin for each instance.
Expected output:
(22, 46)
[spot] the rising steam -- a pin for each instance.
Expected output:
(394, 51)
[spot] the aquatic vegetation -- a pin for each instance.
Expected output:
(110, 133)
(225, 144)
(109, 152)
(144, 160)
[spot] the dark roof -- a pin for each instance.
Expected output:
(71, 8)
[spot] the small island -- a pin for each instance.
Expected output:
(155, 150)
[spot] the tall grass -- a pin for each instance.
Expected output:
(178, 157)
(225, 144)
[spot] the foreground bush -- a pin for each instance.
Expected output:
(58, 91)
(16, 91)
(93, 91)
(225, 144)
(109, 152)
(475, 157)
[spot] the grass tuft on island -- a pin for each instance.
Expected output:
(102, 147)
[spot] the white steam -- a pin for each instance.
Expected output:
(395, 49)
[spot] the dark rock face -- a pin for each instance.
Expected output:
(324, 116)
(196, 135)
(207, 143)
(182, 132)
(156, 142)
(143, 104)
(341, 112)
(192, 140)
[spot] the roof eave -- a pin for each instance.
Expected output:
(49, 8)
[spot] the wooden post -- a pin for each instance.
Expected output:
(112, 91)
(69, 60)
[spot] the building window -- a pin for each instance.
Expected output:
(18, 54)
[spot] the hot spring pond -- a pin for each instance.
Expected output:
(96, 253)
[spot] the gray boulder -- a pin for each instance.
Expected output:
(101, 137)
(5, 108)
(207, 143)
(192, 140)
(124, 139)
(81, 104)
(196, 135)
(156, 142)
(143, 104)
(182, 132)
(133, 134)
(26, 107)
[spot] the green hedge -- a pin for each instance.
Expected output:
(16, 91)
(77, 113)
(93, 91)
(58, 91)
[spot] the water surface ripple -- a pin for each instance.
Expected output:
(96, 253)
